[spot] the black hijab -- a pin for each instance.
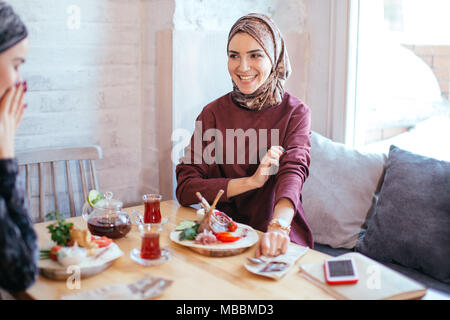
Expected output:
(12, 29)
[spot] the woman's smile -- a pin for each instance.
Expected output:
(247, 80)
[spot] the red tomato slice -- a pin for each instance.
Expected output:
(226, 237)
(54, 252)
(102, 242)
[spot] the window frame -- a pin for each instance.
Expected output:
(343, 71)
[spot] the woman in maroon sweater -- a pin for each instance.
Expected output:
(253, 142)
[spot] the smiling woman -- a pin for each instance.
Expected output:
(264, 193)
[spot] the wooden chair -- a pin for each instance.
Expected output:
(62, 174)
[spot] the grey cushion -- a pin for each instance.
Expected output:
(411, 225)
(339, 192)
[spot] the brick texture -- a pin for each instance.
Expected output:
(438, 58)
(94, 83)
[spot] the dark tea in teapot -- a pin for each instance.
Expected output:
(111, 227)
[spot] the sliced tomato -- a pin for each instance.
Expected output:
(54, 252)
(102, 241)
(226, 237)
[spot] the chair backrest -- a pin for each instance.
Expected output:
(65, 182)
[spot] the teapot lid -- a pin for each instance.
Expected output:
(108, 202)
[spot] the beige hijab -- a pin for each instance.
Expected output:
(270, 93)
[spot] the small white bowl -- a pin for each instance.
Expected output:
(71, 255)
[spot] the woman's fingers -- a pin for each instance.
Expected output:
(20, 105)
(5, 102)
(266, 168)
(258, 251)
(275, 152)
(18, 95)
(265, 245)
(269, 164)
(278, 240)
(285, 244)
(19, 115)
(272, 244)
(278, 149)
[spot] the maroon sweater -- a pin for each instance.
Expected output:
(209, 174)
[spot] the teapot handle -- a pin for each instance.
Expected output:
(84, 211)
(136, 217)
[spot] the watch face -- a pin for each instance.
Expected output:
(283, 222)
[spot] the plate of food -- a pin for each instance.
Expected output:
(215, 234)
(75, 250)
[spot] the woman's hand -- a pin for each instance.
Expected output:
(264, 171)
(11, 113)
(273, 243)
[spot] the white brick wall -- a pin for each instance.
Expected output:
(219, 15)
(86, 85)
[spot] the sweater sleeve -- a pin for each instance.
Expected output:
(195, 173)
(18, 243)
(294, 164)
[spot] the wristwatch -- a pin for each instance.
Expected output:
(281, 223)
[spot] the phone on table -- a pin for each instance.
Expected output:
(340, 271)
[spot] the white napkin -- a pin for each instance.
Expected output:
(283, 261)
(144, 288)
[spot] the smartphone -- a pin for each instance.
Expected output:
(340, 271)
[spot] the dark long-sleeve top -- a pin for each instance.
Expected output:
(18, 243)
(208, 166)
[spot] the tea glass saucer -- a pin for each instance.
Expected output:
(135, 255)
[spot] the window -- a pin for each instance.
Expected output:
(401, 76)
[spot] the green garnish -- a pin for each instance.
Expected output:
(185, 224)
(189, 233)
(44, 254)
(60, 230)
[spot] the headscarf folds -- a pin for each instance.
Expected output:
(266, 33)
(12, 29)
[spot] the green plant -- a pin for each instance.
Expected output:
(60, 230)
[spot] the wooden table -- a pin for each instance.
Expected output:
(195, 276)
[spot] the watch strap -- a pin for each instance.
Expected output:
(275, 222)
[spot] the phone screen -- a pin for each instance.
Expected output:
(340, 268)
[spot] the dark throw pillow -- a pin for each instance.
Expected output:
(411, 225)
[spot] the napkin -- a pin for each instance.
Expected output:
(277, 267)
(144, 288)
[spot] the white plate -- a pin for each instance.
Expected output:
(221, 249)
(88, 267)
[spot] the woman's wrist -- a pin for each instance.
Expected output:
(253, 183)
(240, 185)
(274, 228)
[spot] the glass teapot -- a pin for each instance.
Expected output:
(106, 217)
